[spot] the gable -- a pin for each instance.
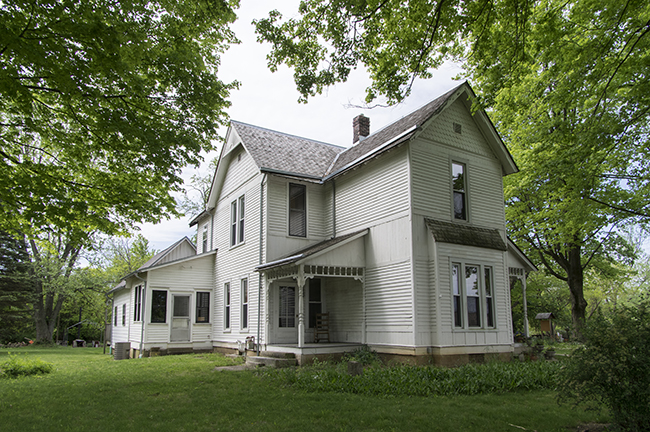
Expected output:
(456, 127)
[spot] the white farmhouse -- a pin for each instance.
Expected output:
(397, 243)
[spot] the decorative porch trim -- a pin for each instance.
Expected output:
(312, 271)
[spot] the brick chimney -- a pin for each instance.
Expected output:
(360, 128)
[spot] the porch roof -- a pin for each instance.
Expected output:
(313, 251)
(447, 232)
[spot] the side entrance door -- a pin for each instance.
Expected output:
(286, 322)
(180, 318)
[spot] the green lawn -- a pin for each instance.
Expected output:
(89, 391)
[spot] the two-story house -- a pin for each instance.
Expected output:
(397, 243)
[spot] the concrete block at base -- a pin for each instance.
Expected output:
(273, 362)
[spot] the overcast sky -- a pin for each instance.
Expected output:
(270, 100)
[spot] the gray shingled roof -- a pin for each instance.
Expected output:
(277, 151)
(373, 141)
(447, 232)
(310, 250)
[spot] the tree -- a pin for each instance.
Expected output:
(101, 104)
(120, 256)
(16, 287)
(195, 198)
(566, 84)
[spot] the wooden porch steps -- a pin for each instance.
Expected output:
(272, 359)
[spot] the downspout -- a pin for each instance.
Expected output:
(143, 308)
(261, 257)
(333, 208)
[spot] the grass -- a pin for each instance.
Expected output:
(88, 391)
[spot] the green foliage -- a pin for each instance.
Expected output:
(363, 355)
(471, 379)
(102, 104)
(19, 366)
(16, 287)
(613, 366)
(176, 393)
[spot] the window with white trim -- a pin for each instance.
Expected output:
(459, 186)
(115, 316)
(124, 314)
(472, 296)
(204, 238)
(315, 301)
(202, 307)
(137, 303)
(158, 306)
(244, 303)
(226, 306)
(297, 210)
(237, 213)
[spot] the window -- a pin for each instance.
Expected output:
(460, 191)
(158, 306)
(204, 238)
(472, 287)
(489, 303)
(297, 210)
(455, 275)
(241, 219)
(202, 307)
(226, 305)
(315, 302)
(237, 221)
(115, 316)
(124, 314)
(137, 303)
(244, 303)
(287, 307)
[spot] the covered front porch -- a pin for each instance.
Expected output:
(314, 299)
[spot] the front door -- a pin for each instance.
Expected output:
(180, 318)
(286, 321)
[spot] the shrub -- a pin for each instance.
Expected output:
(363, 355)
(20, 366)
(471, 379)
(613, 366)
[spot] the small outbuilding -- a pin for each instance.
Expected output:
(546, 322)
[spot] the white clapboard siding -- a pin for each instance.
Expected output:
(389, 311)
(236, 263)
(432, 189)
(280, 243)
(121, 332)
(343, 299)
(378, 191)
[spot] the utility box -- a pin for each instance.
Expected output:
(546, 322)
(121, 350)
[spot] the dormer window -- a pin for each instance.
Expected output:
(459, 190)
(204, 238)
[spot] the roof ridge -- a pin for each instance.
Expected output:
(288, 134)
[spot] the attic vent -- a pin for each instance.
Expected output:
(458, 128)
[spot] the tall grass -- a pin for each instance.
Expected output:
(471, 379)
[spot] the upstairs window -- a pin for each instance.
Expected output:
(459, 190)
(297, 210)
(204, 238)
(237, 214)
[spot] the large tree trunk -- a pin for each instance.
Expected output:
(576, 285)
(46, 311)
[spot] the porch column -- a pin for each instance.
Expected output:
(301, 308)
(523, 286)
(267, 312)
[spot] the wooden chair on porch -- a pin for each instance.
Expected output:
(322, 329)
